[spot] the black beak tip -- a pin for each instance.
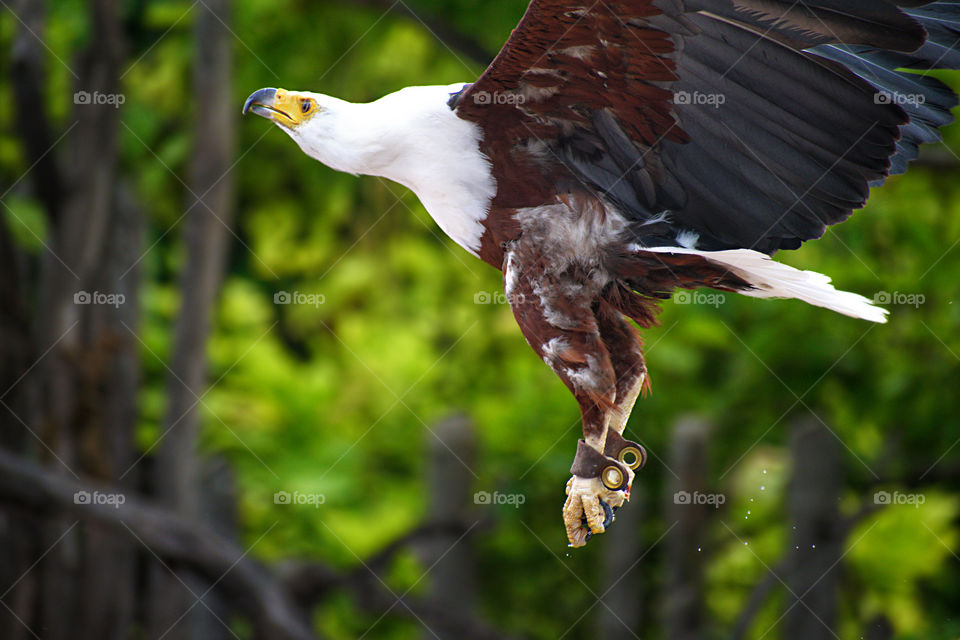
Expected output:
(260, 97)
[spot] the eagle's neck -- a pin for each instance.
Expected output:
(414, 138)
(349, 137)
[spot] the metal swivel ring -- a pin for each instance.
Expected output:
(613, 478)
(632, 457)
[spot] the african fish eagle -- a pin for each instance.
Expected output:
(618, 150)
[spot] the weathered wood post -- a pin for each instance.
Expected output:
(814, 562)
(623, 575)
(687, 459)
(219, 504)
(452, 450)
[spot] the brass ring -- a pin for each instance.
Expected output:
(612, 477)
(638, 457)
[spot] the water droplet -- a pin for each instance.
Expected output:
(751, 499)
(763, 487)
(748, 511)
(813, 546)
(764, 472)
(698, 549)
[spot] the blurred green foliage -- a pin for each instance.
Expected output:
(338, 398)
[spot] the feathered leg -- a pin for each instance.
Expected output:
(622, 340)
(557, 314)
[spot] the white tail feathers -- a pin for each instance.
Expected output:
(773, 279)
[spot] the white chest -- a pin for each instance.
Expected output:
(442, 163)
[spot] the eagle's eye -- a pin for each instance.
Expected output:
(306, 105)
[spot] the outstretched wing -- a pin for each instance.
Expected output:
(729, 123)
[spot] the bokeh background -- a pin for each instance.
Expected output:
(244, 396)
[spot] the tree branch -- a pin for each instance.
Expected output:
(310, 582)
(175, 540)
(277, 602)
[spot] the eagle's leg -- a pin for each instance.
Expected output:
(598, 483)
(622, 340)
(560, 317)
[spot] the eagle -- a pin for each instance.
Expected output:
(618, 150)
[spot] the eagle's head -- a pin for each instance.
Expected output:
(410, 136)
(318, 123)
(289, 109)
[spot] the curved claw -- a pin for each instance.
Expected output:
(608, 518)
(607, 513)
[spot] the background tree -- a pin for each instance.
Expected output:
(156, 192)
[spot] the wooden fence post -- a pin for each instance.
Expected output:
(687, 460)
(623, 575)
(813, 566)
(452, 450)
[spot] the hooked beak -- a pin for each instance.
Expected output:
(261, 102)
(280, 106)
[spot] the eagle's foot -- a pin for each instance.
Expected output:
(599, 486)
(589, 508)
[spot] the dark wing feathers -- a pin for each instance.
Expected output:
(876, 23)
(940, 50)
(926, 100)
(752, 123)
(789, 151)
